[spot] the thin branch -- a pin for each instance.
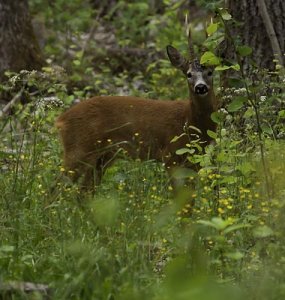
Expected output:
(8, 106)
(92, 32)
(270, 31)
(14, 287)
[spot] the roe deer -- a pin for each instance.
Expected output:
(94, 130)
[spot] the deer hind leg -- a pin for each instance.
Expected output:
(78, 169)
(73, 167)
(87, 170)
(102, 164)
(93, 172)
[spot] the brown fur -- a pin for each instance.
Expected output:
(94, 130)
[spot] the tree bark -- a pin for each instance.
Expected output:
(260, 25)
(19, 48)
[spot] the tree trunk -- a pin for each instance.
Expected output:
(260, 25)
(19, 48)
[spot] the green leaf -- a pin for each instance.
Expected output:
(206, 223)
(217, 223)
(244, 50)
(222, 68)
(7, 248)
(212, 134)
(212, 28)
(236, 104)
(234, 255)
(266, 129)
(195, 128)
(184, 150)
(141, 6)
(176, 138)
(225, 15)
(281, 114)
(236, 227)
(220, 223)
(262, 231)
(209, 58)
(235, 67)
(77, 62)
(217, 117)
(249, 113)
(229, 179)
(79, 54)
(246, 168)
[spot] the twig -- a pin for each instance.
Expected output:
(8, 106)
(91, 33)
(13, 288)
(270, 31)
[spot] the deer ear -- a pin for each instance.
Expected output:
(177, 60)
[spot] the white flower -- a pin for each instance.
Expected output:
(240, 91)
(223, 110)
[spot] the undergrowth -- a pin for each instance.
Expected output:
(137, 238)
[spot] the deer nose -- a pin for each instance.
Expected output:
(201, 89)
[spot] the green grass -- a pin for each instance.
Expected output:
(137, 238)
(134, 239)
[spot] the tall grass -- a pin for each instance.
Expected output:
(136, 238)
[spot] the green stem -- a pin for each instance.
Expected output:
(252, 103)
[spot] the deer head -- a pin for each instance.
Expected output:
(199, 77)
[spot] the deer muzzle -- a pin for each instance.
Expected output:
(201, 89)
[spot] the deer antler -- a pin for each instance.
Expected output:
(190, 43)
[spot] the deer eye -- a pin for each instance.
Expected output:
(189, 75)
(210, 73)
